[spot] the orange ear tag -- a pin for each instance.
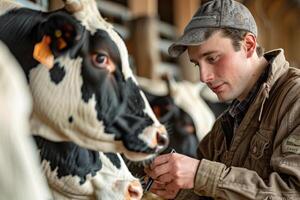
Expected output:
(42, 52)
(61, 43)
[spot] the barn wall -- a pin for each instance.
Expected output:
(150, 26)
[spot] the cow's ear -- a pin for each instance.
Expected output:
(63, 32)
(56, 35)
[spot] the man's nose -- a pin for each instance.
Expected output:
(206, 74)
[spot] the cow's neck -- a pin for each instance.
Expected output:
(76, 132)
(69, 158)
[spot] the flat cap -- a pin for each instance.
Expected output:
(214, 14)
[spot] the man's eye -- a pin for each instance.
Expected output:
(100, 60)
(212, 59)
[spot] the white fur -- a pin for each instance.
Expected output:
(108, 183)
(20, 175)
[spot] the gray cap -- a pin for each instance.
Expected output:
(214, 14)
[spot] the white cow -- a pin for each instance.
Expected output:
(20, 176)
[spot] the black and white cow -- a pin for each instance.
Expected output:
(178, 105)
(85, 98)
(79, 173)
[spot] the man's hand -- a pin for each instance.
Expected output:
(172, 172)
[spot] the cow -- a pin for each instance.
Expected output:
(179, 106)
(19, 169)
(78, 173)
(85, 97)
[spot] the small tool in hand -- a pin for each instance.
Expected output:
(150, 180)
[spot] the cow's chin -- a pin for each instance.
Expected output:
(139, 157)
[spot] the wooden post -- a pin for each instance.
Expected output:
(278, 26)
(145, 46)
(143, 8)
(145, 37)
(183, 12)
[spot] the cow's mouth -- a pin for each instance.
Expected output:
(139, 158)
(151, 141)
(145, 158)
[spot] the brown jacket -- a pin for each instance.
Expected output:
(263, 160)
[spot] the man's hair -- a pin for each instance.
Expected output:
(236, 37)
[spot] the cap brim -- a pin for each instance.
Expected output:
(190, 38)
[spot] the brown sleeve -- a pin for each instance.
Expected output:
(218, 181)
(205, 150)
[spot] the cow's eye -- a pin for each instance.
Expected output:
(100, 60)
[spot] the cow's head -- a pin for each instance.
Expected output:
(88, 93)
(180, 105)
(74, 172)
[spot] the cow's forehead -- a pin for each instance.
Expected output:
(91, 19)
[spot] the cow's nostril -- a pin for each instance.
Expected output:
(135, 190)
(162, 139)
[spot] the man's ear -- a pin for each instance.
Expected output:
(62, 31)
(249, 44)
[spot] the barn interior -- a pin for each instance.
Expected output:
(149, 27)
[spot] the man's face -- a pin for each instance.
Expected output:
(225, 71)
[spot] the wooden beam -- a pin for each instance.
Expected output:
(143, 8)
(144, 42)
(183, 12)
(278, 26)
(145, 36)
(114, 9)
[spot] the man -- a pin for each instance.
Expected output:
(253, 149)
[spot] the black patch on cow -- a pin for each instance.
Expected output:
(69, 158)
(114, 159)
(57, 73)
(119, 103)
(131, 121)
(95, 79)
(87, 92)
(22, 28)
(70, 119)
(17, 33)
(177, 122)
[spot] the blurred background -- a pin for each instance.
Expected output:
(149, 26)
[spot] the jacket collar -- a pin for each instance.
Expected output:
(277, 66)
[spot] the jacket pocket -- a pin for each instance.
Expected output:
(260, 153)
(258, 146)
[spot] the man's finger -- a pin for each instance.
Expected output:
(160, 160)
(158, 186)
(158, 170)
(166, 178)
